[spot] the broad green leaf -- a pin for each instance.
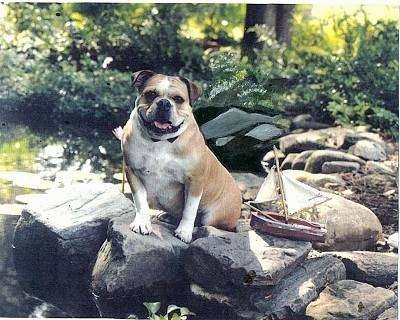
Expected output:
(171, 308)
(152, 307)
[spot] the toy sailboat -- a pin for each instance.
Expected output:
(294, 197)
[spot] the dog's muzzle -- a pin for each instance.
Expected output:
(161, 124)
(163, 112)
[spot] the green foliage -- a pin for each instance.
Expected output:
(70, 60)
(235, 83)
(173, 312)
(355, 85)
(60, 93)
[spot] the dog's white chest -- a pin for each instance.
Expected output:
(161, 172)
(156, 159)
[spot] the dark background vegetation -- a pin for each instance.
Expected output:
(72, 63)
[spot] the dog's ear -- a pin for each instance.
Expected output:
(194, 90)
(139, 78)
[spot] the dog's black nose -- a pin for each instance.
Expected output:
(164, 105)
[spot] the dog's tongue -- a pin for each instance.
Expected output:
(162, 125)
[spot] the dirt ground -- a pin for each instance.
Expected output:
(376, 191)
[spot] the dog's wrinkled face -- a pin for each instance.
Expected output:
(164, 103)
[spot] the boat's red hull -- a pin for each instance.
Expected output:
(297, 229)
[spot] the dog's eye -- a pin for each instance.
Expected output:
(150, 95)
(178, 99)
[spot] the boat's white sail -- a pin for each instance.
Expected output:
(268, 191)
(300, 196)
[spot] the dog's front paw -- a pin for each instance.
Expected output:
(184, 233)
(141, 224)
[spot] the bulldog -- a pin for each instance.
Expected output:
(167, 163)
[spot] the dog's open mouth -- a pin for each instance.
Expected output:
(160, 127)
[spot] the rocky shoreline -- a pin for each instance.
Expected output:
(74, 249)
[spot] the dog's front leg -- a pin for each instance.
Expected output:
(142, 222)
(193, 193)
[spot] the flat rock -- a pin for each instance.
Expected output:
(306, 121)
(74, 176)
(232, 121)
(56, 242)
(265, 132)
(220, 263)
(369, 150)
(314, 179)
(117, 176)
(376, 268)
(288, 162)
(389, 314)
(313, 139)
(26, 180)
(12, 209)
(393, 240)
(132, 268)
(349, 299)
(340, 167)
(379, 167)
(268, 159)
(289, 299)
(318, 158)
(299, 162)
(30, 197)
(353, 136)
(52, 151)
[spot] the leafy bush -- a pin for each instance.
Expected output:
(60, 94)
(236, 83)
(177, 313)
(355, 85)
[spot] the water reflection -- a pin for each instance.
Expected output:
(57, 157)
(31, 162)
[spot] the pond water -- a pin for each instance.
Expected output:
(59, 157)
(31, 162)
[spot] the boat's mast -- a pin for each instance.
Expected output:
(280, 183)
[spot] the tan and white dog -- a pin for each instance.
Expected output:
(168, 165)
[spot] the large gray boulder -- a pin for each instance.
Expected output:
(238, 260)
(369, 150)
(350, 225)
(132, 268)
(232, 121)
(313, 139)
(340, 167)
(287, 300)
(318, 158)
(57, 239)
(376, 268)
(349, 299)
(14, 302)
(389, 314)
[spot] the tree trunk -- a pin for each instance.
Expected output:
(276, 18)
(255, 14)
(283, 19)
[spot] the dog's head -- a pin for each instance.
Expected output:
(164, 104)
